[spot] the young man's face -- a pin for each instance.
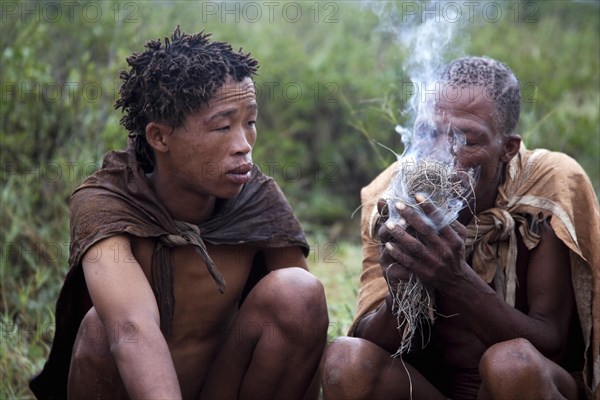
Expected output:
(464, 117)
(211, 154)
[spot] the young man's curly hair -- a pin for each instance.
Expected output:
(166, 83)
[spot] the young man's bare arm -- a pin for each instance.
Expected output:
(124, 299)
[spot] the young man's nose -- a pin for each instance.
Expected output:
(242, 142)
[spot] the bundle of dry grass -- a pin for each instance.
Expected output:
(448, 189)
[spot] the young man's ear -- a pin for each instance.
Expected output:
(512, 144)
(156, 136)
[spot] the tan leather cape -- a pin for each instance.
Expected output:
(540, 184)
(118, 199)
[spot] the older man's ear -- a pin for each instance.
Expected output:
(511, 147)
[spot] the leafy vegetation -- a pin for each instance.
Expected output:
(330, 89)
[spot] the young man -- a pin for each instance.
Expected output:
(514, 313)
(187, 273)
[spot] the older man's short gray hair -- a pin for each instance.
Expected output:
(499, 82)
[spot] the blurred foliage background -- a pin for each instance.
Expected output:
(331, 89)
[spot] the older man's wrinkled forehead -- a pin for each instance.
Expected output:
(445, 100)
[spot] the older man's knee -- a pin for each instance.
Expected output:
(349, 369)
(510, 356)
(339, 360)
(513, 365)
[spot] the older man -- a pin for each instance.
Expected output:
(515, 278)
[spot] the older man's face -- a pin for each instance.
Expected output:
(460, 127)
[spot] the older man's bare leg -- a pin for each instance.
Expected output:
(515, 369)
(355, 368)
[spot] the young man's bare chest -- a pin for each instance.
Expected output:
(202, 314)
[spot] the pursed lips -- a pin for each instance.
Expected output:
(241, 173)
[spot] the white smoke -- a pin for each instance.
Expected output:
(427, 30)
(429, 33)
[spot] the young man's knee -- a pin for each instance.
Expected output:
(92, 356)
(293, 300)
(91, 343)
(294, 290)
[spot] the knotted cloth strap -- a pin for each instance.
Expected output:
(492, 241)
(162, 268)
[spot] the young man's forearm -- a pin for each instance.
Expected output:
(146, 366)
